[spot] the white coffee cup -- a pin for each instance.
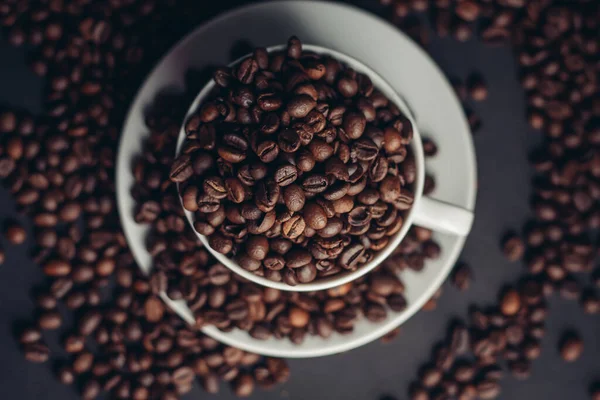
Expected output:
(426, 212)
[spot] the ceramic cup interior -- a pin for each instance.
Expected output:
(417, 152)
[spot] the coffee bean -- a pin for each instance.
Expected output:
(266, 195)
(298, 317)
(89, 322)
(257, 247)
(488, 389)
(462, 276)
(590, 302)
(289, 141)
(285, 175)
(57, 268)
(297, 258)
(233, 148)
(294, 227)
(389, 189)
(375, 313)
(30, 335)
(66, 376)
(267, 151)
(570, 346)
(294, 198)
(477, 87)
(347, 86)
(83, 362)
(510, 302)
(50, 320)
(36, 352)
(315, 215)
(243, 385)
(513, 247)
(15, 233)
(354, 124)
(351, 256)
(215, 187)
(300, 105)
(154, 309)
(307, 273)
(181, 169)
(430, 377)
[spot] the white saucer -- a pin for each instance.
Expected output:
(376, 43)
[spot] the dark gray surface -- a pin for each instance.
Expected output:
(375, 369)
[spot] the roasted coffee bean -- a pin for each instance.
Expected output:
(285, 175)
(351, 256)
(182, 169)
(347, 86)
(50, 320)
(246, 71)
(320, 150)
(36, 352)
(15, 233)
(462, 276)
(297, 258)
(300, 105)
(513, 247)
(307, 273)
(314, 183)
(30, 335)
(390, 189)
(359, 216)
(294, 227)
(274, 262)
(570, 346)
(257, 247)
(214, 187)
(315, 216)
(305, 161)
(234, 148)
(289, 141)
(476, 87)
(267, 151)
(294, 198)
(266, 195)
(488, 389)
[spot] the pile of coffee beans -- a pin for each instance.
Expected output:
(183, 269)
(297, 167)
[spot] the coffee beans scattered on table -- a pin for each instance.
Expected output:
(468, 363)
(297, 167)
(554, 43)
(51, 164)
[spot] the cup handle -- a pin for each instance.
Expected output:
(443, 217)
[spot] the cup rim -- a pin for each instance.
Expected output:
(417, 149)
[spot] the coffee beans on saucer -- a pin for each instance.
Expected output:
(296, 167)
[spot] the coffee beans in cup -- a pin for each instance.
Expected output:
(296, 167)
(184, 269)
